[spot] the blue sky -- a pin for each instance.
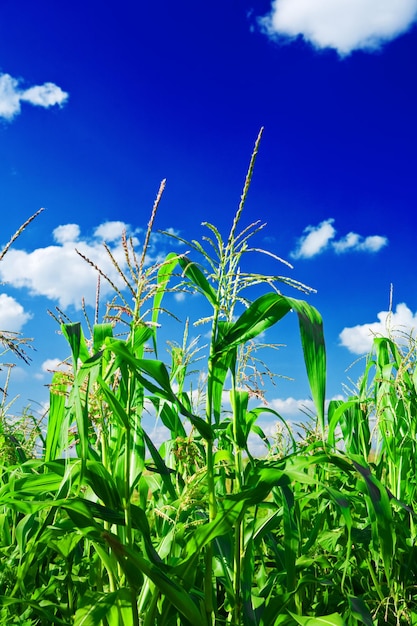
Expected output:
(99, 103)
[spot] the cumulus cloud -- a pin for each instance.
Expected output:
(344, 25)
(12, 315)
(399, 324)
(53, 365)
(12, 94)
(317, 239)
(110, 231)
(68, 233)
(290, 407)
(60, 274)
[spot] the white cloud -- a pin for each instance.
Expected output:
(52, 365)
(358, 339)
(110, 231)
(317, 239)
(373, 243)
(344, 25)
(353, 241)
(11, 96)
(291, 407)
(12, 315)
(60, 274)
(67, 233)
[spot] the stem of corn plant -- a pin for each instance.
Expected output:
(130, 409)
(208, 576)
(226, 298)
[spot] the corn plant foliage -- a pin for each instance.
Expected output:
(107, 527)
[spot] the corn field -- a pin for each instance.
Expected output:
(101, 527)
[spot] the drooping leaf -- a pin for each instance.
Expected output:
(197, 279)
(258, 317)
(75, 337)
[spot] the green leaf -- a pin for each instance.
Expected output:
(360, 611)
(312, 341)
(169, 416)
(268, 310)
(57, 433)
(242, 421)
(335, 619)
(218, 369)
(114, 404)
(161, 467)
(380, 514)
(164, 274)
(95, 606)
(197, 278)
(75, 337)
(100, 333)
(103, 484)
(261, 314)
(132, 562)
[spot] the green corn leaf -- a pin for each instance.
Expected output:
(132, 562)
(360, 611)
(261, 314)
(160, 466)
(335, 619)
(158, 371)
(263, 409)
(221, 525)
(163, 277)
(312, 340)
(266, 311)
(381, 516)
(100, 334)
(75, 337)
(241, 422)
(103, 484)
(198, 280)
(169, 416)
(49, 617)
(291, 536)
(95, 606)
(219, 365)
(57, 433)
(116, 407)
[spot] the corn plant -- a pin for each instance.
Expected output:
(106, 528)
(378, 426)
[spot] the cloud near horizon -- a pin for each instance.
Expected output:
(12, 95)
(317, 239)
(343, 25)
(61, 275)
(399, 324)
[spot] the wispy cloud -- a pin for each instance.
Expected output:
(317, 239)
(60, 274)
(399, 323)
(344, 25)
(12, 94)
